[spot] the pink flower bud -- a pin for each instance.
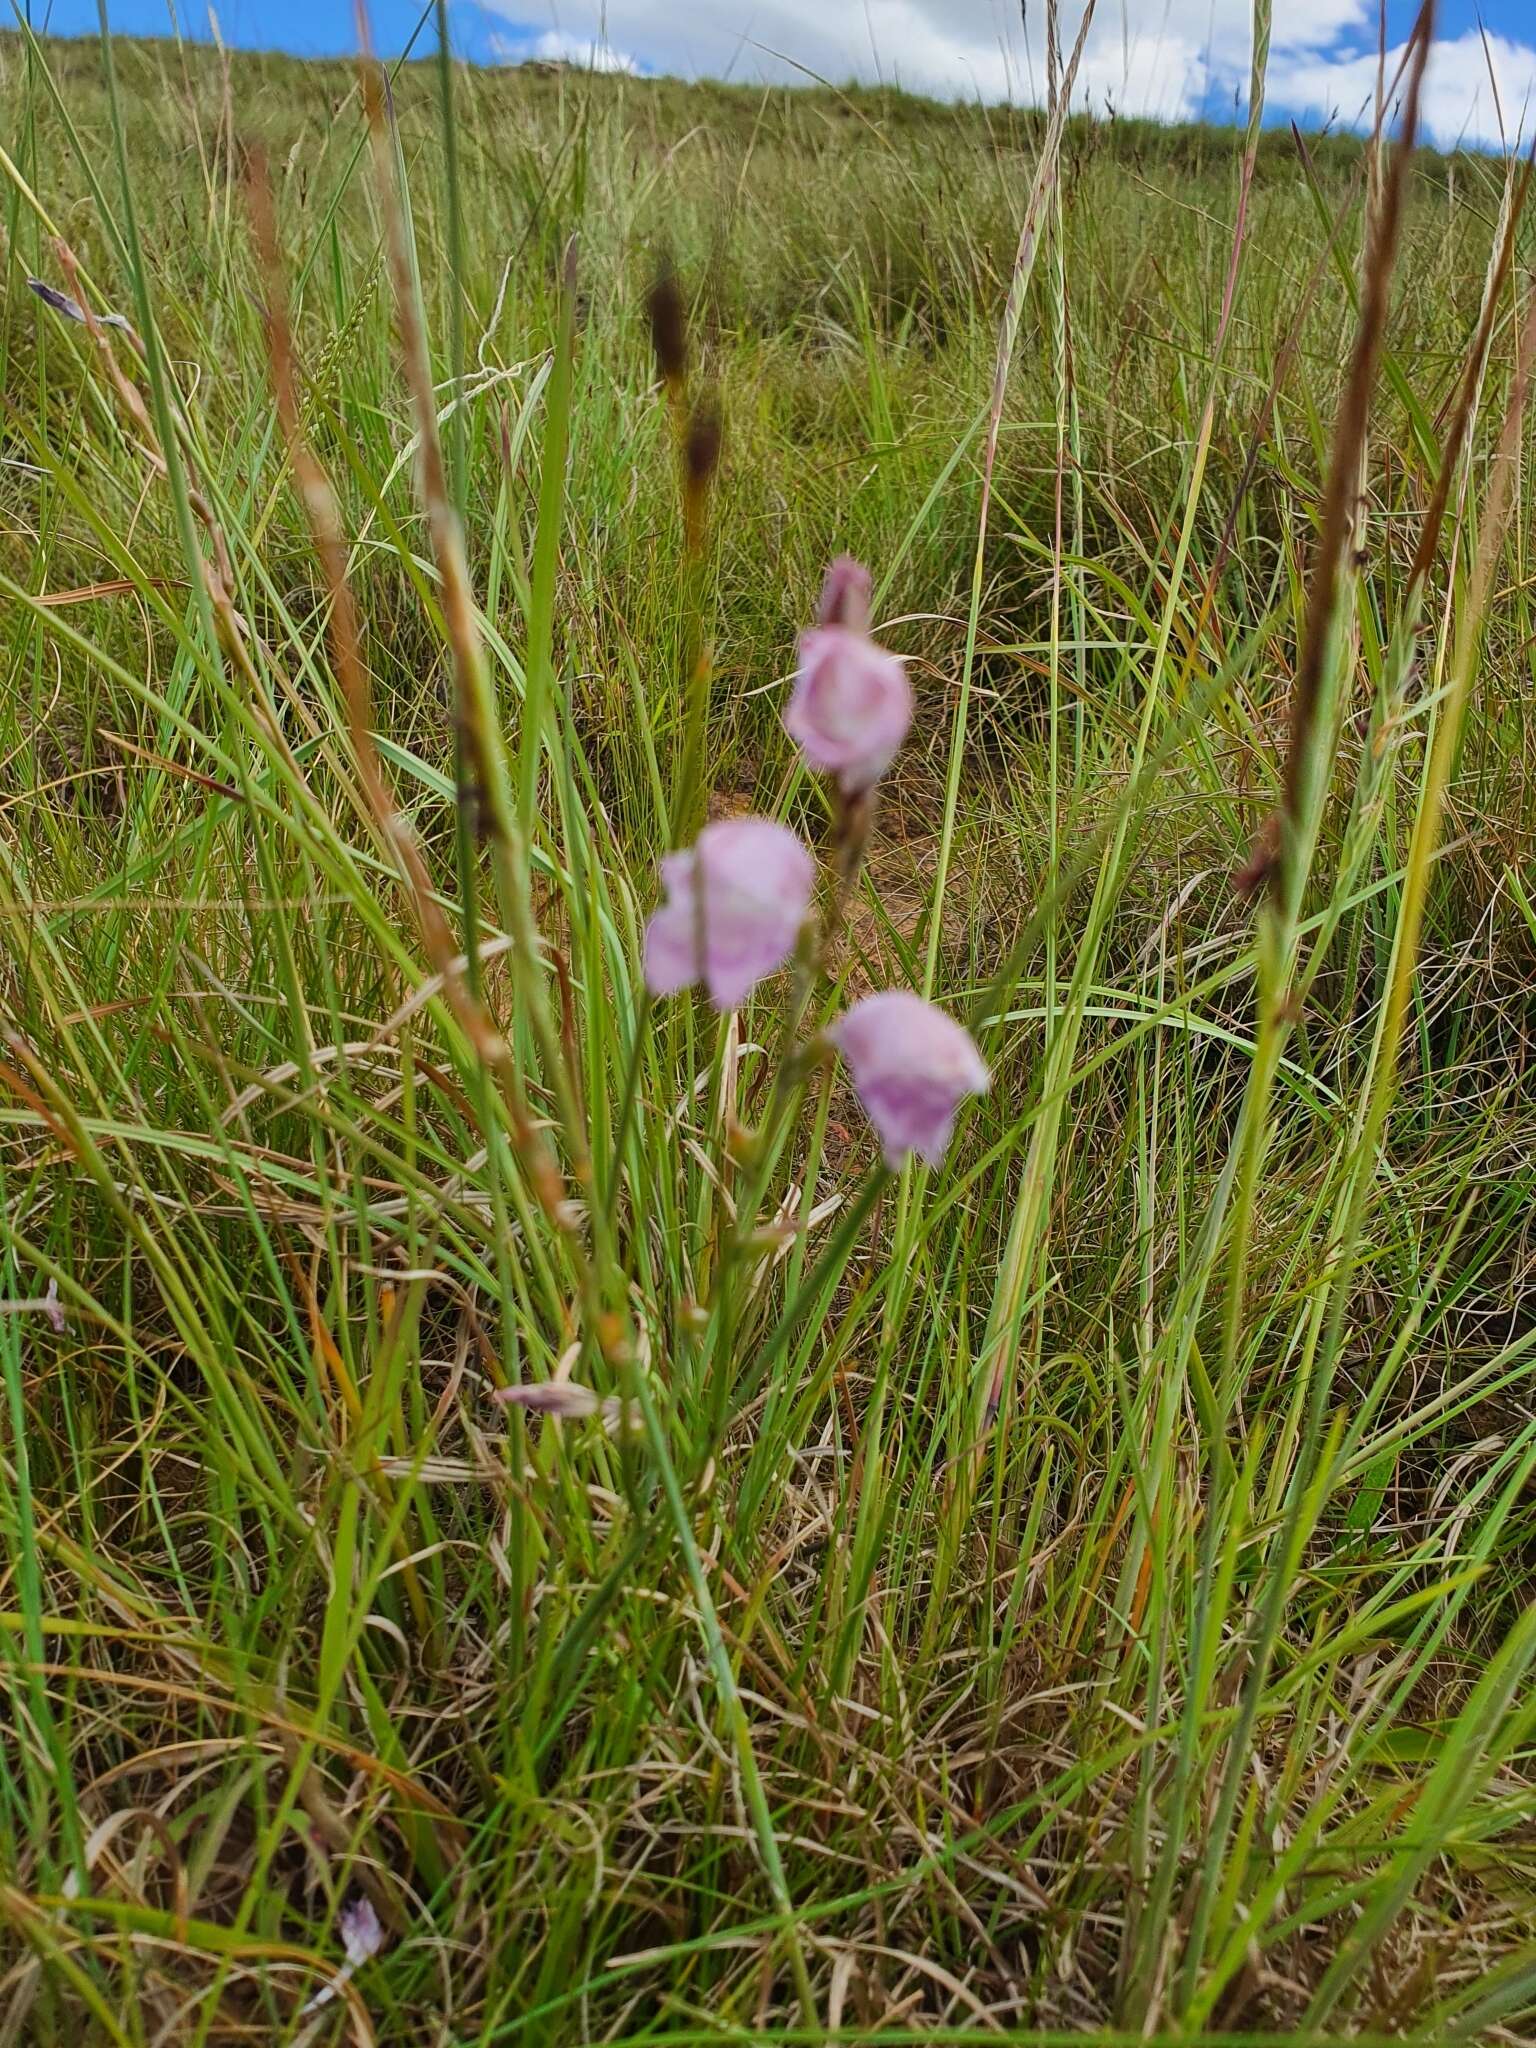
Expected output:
(912, 1066)
(736, 900)
(845, 595)
(851, 704)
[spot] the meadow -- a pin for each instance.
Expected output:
(1080, 1588)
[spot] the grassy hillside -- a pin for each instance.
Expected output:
(1083, 1586)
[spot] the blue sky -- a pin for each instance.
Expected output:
(1169, 57)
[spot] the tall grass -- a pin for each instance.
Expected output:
(1084, 1588)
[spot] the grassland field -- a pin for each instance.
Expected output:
(1086, 1589)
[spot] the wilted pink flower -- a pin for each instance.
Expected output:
(72, 309)
(851, 704)
(563, 1399)
(912, 1066)
(736, 900)
(567, 1402)
(47, 1305)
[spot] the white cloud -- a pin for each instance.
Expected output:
(1166, 58)
(1145, 56)
(559, 46)
(1163, 77)
(1471, 94)
(592, 52)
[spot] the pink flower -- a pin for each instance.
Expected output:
(912, 1066)
(851, 704)
(736, 900)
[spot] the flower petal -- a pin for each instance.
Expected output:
(736, 904)
(851, 706)
(912, 1066)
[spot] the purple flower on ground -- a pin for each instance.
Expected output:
(852, 703)
(736, 900)
(563, 1399)
(361, 1935)
(912, 1066)
(361, 1939)
(567, 1402)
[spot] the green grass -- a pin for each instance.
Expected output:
(1187, 1698)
